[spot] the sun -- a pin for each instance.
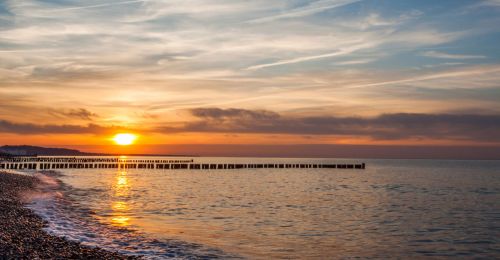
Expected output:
(124, 139)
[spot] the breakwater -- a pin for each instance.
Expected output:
(50, 163)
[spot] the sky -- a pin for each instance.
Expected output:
(261, 72)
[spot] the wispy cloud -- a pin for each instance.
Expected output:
(297, 60)
(21, 51)
(344, 51)
(444, 64)
(63, 9)
(446, 74)
(353, 62)
(442, 55)
(490, 3)
(378, 20)
(315, 7)
(372, 41)
(80, 113)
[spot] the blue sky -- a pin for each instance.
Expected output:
(153, 62)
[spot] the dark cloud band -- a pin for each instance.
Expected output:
(34, 129)
(384, 127)
(400, 126)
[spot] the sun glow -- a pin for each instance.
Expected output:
(124, 139)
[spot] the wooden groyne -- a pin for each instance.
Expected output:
(50, 163)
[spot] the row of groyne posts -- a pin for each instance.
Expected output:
(52, 163)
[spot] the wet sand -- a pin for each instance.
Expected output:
(21, 231)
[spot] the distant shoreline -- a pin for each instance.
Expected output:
(103, 154)
(28, 150)
(21, 231)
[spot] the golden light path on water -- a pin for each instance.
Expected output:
(120, 206)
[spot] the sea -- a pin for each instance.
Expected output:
(392, 209)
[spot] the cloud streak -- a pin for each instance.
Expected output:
(442, 55)
(449, 74)
(341, 52)
(64, 9)
(313, 8)
(80, 113)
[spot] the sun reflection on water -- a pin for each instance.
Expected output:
(120, 206)
(120, 221)
(122, 182)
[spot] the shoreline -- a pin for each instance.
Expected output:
(21, 230)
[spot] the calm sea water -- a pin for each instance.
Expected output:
(394, 208)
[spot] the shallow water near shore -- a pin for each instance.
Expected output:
(394, 208)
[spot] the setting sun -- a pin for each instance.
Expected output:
(124, 139)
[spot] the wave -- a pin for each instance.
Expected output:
(68, 219)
